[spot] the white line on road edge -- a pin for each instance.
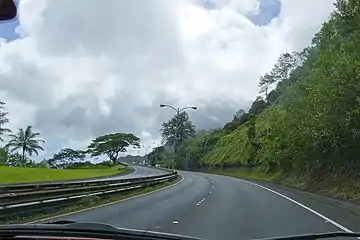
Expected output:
(303, 206)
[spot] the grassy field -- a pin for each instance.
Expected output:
(22, 175)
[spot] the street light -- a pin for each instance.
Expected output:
(178, 111)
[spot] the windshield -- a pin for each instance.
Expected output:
(214, 119)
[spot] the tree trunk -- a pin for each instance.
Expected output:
(115, 157)
(23, 154)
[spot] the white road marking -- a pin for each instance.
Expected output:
(303, 206)
(175, 222)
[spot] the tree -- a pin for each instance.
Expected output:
(112, 144)
(239, 118)
(3, 120)
(258, 106)
(265, 82)
(17, 160)
(175, 131)
(281, 73)
(4, 156)
(26, 141)
(66, 156)
(157, 156)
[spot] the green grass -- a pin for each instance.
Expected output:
(22, 174)
(247, 173)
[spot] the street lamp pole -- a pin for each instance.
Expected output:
(178, 111)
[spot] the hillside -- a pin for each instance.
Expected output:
(308, 126)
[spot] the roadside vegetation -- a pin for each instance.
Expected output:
(303, 128)
(16, 165)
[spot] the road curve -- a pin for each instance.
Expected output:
(140, 171)
(220, 207)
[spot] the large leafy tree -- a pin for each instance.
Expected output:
(177, 130)
(26, 141)
(3, 120)
(113, 144)
(66, 156)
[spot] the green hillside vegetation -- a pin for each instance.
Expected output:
(25, 174)
(303, 129)
(313, 125)
(310, 129)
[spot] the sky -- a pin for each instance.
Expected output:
(75, 70)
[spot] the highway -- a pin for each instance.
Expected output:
(220, 207)
(139, 171)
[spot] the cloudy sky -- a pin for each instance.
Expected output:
(78, 69)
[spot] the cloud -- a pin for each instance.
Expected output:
(89, 67)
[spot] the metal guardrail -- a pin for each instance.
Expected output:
(26, 198)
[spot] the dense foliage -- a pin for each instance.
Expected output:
(112, 144)
(307, 117)
(67, 157)
(177, 130)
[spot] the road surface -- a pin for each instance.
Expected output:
(220, 207)
(140, 171)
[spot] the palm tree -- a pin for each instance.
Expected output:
(26, 141)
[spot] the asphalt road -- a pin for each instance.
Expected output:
(220, 207)
(140, 171)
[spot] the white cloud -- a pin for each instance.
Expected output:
(88, 67)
